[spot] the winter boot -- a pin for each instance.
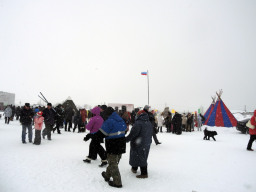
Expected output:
(103, 164)
(104, 175)
(142, 176)
(134, 171)
(112, 184)
(87, 161)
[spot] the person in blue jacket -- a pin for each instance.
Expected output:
(113, 129)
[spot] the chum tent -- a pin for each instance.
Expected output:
(69, 103)
(221, 115)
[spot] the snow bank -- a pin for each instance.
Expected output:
(183, 163)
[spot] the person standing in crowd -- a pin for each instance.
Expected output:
(252, 131)
(17, 111)
(77, 121)
(26, 116)
(49, 120)
(193, 122)
(113, 129)
(168, 122)
(59, 118)
(189, 122)
(38, 121)
(83, 113)
(69, 113)
(95, 147)
(102, 111)
(184, 122)
(141, 138)
(177, 123)
(7, 114)
(154, 125)
(160, 123)
(126, 116)
(199, 122)
(13, 112)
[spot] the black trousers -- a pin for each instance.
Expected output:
(47, 131)
(69, 123)
(37, 139)
(96, 148)
(58, 124)
(155, 137)
(7, 120)
(252, 138)
(144, 170)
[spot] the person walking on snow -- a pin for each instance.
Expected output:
(252, 131)
(113, 129)
(95, 147)
(140, 139)
(7, 114)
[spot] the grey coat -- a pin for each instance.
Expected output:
(141, 139)
(8, 112)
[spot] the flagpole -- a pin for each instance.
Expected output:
(148, 86)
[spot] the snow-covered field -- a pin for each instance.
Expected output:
(183, 163)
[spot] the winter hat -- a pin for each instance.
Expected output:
(39, 113)
(147, 107)
(109, 111)
(103, 107)
(27, 104)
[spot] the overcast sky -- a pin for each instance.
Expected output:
(94, 51)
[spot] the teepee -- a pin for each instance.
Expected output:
(69, 103)
(220, 115)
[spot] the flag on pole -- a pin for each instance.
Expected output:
(144, 73)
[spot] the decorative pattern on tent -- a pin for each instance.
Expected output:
(220, 115)
(210, 109)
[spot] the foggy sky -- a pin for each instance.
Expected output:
(94, 51)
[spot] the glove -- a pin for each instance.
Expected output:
(87, 137)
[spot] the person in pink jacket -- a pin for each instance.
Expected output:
(38, 121)
(252, 132)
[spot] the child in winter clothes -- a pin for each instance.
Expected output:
(38, 120)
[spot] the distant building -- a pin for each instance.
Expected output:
(129, 107)
(6, 99)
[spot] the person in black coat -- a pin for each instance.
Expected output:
(153, 122)
(49, 120)
(177, 123)
(77, 121)
(26, 116)
(140, 139)
(168, 122)
(69, 113)
(59, 118)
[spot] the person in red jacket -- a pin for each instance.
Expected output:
(252, 132)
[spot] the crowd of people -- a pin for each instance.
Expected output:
(111, 125)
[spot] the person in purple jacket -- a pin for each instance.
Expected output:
(95, 147)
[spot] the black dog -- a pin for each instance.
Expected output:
(208, 134)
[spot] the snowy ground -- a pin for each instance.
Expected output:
(182, 163)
